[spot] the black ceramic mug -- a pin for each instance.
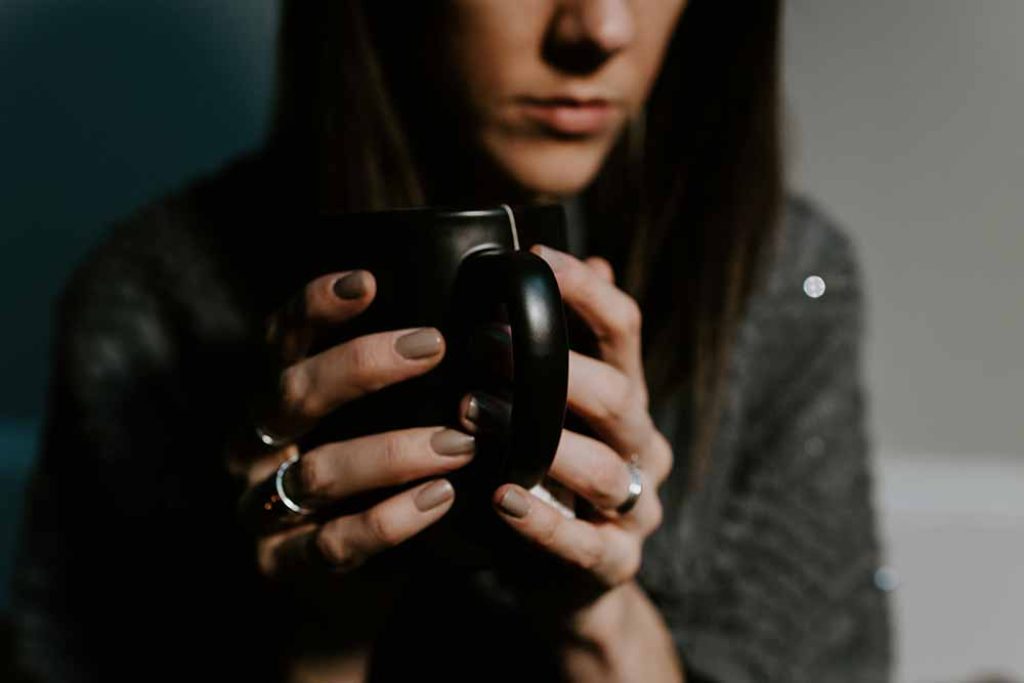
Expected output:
(466, 272)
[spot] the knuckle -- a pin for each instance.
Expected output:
(332, 549)
(296, 391)
(628, 317)
(581, 280)
(616, 400)
(601, 264)
(576, 278)
(625, 566)
(662, 458)
(382, 527)
(656, 516)
(607, 481)
(363, 364)
(642, 399)
(668, 459)
(393, 456)
(547, 531)
(630, 565)
(313, 478)
(624, 399)
(590, 553)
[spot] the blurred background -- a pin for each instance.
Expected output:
(904, 123)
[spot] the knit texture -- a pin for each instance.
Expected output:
(767, 573)
(131, 561)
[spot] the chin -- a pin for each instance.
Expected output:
(549, 168)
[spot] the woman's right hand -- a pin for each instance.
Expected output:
(310, 387)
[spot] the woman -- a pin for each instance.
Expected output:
(738, 387)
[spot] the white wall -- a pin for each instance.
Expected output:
(909, 125)
(906, 123)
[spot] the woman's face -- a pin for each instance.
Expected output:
(548, 85)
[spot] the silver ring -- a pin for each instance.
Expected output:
(636, 487)
(269, 439)
(279, 485)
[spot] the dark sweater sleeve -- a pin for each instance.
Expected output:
(105, 343)
(781, 571)
(129, 564)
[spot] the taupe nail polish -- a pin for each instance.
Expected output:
(473, 409)
(452, 442)
(514, 504)
(419, 344)
(433, 495)
(351, 286)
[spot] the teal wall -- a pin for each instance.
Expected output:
(104, 104)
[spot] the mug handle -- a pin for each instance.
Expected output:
(524, 283)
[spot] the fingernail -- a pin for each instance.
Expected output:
(419, 344)
(514, 504)
(452, 442)
(486, 411)
(473, 410)
(433, 495)
(351, 286)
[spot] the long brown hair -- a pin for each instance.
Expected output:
(685, 206)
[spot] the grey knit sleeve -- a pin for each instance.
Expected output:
(770, 567)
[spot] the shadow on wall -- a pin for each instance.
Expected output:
(105, 105)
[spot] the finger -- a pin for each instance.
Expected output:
(657, 458)
(604, 550)
(601, 267)
(255, 469)
(618, 411)
(315, 386)
(612, 314)
(325, 301)
(249, 459)
(591, 469)
(336, 470)
(615, 407)
(484, 413)
(594, 471)
(344, 543)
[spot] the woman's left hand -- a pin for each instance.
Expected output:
(610, 394)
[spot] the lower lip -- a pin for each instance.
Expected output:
(584, 119)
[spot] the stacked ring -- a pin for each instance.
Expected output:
(268, 439)
(268, 506)
(279, 487)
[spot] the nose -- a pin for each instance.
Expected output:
(586, 33)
